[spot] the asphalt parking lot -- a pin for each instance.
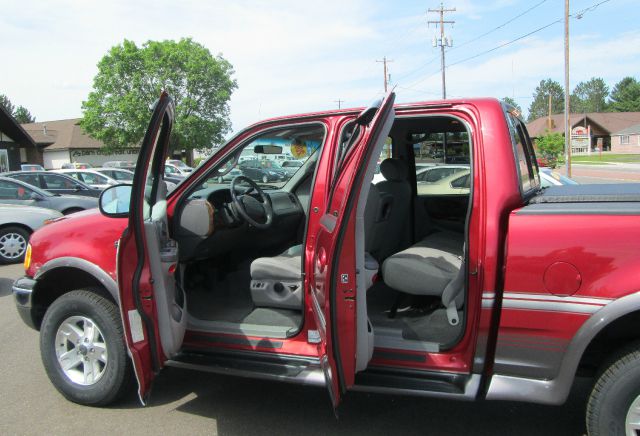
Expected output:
(187, 402)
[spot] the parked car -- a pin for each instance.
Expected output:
(119, 174)
(14, 191)
(118, 164)
(181, 166)
(435, 173)
(91, 177)
(263, 170)
(507, 293)
(456, 183)
(548, 177)
(17, 223)
(31, 167)
(75, 166)
(54, 183)
(291, 166)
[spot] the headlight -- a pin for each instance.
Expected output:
(27, 258)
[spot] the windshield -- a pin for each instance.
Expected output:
(260, 158)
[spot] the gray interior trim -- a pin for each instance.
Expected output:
(555, 391)
(199, 325)
(86, 266)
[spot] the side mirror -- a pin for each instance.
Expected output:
(35, 196)
(114, 201)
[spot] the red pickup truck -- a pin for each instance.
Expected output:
(483, 286)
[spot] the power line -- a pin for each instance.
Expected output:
(498, 27)
(577, 15)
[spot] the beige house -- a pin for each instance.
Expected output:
(627, 140)
(64, 141)
(591, 131)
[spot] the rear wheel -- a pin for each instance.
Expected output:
(614, 404)
(13, 244)
(83, 350)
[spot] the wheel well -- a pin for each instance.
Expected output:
(21, 226)
(614, 336)
(58, 282)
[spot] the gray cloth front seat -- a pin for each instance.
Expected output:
(277, 281)
(433, 266)
(395, 199)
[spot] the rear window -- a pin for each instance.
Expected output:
(526, 165)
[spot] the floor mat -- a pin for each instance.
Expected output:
(229, 300)
(415, 324)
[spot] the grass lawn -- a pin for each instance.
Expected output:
(606, 157)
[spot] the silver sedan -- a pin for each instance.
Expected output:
(16, 225)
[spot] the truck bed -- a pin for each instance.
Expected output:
(609, 199)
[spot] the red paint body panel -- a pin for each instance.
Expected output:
(508, 309)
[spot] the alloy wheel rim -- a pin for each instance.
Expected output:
(632, 423)
(12, 245)
(81, 350)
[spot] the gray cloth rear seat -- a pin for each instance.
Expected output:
(434, 266)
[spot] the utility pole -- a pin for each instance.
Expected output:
(386, 76)
(339, 103)
(567, 128)
(443, 41)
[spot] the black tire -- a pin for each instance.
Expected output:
(72, 210)
(615, 390)
(116, 375)
(13, 244)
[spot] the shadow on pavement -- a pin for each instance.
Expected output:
(5, 286)
(244, 406)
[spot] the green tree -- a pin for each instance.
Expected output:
(130, 79)
(590, 96)
(625, 96)
(6, 104)
(540, 105)
(23, 116)
(550, 147)
(513, 103)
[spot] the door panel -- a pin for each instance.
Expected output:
(332, 278)
(153, 308)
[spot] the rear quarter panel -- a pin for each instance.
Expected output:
(560, 270)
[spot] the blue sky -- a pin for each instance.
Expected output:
(293, 56)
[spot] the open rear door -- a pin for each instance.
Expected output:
(153, 308)
(332, 269)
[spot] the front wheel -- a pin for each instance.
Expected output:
(83, 349)
(614, 403)
(13, 244)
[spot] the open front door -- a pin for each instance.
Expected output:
(153, 308)
(331, 248)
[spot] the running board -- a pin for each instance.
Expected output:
(428, 384)
(305, 371)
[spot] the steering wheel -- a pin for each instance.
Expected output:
(248, 207)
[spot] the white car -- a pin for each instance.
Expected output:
(182, 167)
(91, 178)
(17, 222)
(548, 177)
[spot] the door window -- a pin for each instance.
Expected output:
(53, 181)
(14, 191)
(31, 179)
(442, 156)
(94, 179)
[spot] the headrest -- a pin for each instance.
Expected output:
(394, 170)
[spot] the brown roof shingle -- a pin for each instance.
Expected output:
(61, 135)
(609, 122)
